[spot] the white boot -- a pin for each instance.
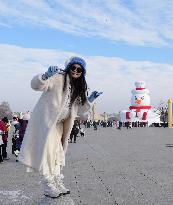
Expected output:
(50, 188)
(60, 185)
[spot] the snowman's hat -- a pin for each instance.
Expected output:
(140, 88)
(140, 85)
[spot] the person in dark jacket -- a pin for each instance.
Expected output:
(74, 132)
(95, 125)
(23, 125)
(15, 136)
(120, 125)
(21, 132)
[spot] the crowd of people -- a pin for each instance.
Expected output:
(119, 125)
(18, 126)
(95, 124)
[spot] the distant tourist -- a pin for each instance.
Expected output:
(21, 132)
(82, 132)
(74, 133)
(15, 136)
(5, 138)
(120, 124)
(3, 129)
(95, 125)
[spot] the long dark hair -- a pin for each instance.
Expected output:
(78, 87)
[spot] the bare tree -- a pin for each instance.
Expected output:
(162, 109)
(5, 110)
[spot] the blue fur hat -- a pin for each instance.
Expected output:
(75, 60)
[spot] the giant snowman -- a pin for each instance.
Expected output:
(140, 109)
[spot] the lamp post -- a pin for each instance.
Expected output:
(170, 113)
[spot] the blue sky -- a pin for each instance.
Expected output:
(53, 39)
(122, 42)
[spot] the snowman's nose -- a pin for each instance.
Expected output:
(138, 102)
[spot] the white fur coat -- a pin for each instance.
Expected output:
(44, 119)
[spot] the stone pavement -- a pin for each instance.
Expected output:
(108, 166)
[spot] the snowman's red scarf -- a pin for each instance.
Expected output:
(140, 88)
(139, 108)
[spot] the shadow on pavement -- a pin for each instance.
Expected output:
(169, 145)
(63, 200)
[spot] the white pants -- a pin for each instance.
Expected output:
(54, 154)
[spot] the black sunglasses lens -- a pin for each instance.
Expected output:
(73, 68)
(79, 70)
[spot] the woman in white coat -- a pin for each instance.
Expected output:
(46, 138)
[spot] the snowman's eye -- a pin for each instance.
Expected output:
(135, 98)
(142, 97)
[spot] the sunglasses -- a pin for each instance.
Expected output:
(78, 69)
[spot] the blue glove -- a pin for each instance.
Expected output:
(52, 70)
(93, 96)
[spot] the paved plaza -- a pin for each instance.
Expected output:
(108, 166)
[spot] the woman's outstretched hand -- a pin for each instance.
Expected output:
(52, 70)
(93, 96)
